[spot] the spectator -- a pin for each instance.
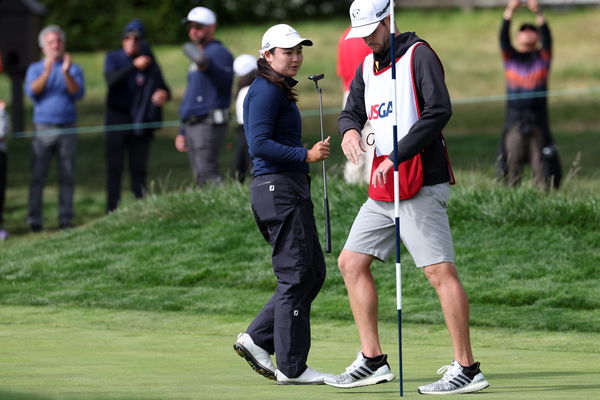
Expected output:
(4, 126)
(351, 54)
(54, 84)
(204, 111)
(136, 94)
(526, 135)
(424, 175)
(245, 69)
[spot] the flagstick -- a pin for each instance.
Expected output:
(396, 194)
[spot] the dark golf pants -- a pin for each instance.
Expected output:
(3, 166)
(283, 211)
(121, 144)
(241, 161)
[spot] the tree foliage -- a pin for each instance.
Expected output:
(94, 24)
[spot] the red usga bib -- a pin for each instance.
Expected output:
(380, 113)
(410, 176)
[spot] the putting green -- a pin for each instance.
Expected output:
(49, 353)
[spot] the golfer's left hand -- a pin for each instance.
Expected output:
(380, 174)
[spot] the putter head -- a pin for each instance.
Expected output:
(316, 78)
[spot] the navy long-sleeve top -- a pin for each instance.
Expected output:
(210, 89)
(273, 129)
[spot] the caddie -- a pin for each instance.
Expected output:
(423, 108)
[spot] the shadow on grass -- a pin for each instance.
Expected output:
(5, 395)
(547, 388)
(541, 374)
(21, 396)
(546, 377)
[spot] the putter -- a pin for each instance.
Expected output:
(396, 195)
(316, 79)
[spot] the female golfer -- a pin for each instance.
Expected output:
(283, 209)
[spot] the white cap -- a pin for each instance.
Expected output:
(202, 15)
(244, 64)
(282, 36)
(365, 16)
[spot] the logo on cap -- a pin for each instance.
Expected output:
(383, 10)
(355, 13)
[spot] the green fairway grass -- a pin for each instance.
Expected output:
(50, 353)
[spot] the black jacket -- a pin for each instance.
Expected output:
(130, 91)
(434, 102)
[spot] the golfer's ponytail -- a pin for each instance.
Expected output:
(265, 70)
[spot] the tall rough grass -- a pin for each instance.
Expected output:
(527, 259)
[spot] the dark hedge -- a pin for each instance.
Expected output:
(94, 24)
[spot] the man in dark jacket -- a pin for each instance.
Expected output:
(425, 175)
(136, 94)
(526, 135)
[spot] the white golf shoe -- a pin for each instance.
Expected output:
(258, 358)
(457, 379)
(362, 373)
(308, 377)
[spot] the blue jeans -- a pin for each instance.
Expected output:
(44, 146)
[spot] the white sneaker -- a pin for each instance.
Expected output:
(308, 377)
(457, 379)
(258, 358)
(362, 373)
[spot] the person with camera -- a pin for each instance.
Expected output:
(204, 111)
(526, 136)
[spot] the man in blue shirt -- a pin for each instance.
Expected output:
(204, 111)
(54, 84)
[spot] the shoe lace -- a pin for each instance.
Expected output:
(354, 365)
(442, 369)
(448, 372)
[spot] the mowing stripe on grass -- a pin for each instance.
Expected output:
(52, 353)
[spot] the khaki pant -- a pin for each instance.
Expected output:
(522, 148)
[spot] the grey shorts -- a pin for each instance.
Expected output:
(424, 227)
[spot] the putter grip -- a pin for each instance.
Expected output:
(327, 226)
